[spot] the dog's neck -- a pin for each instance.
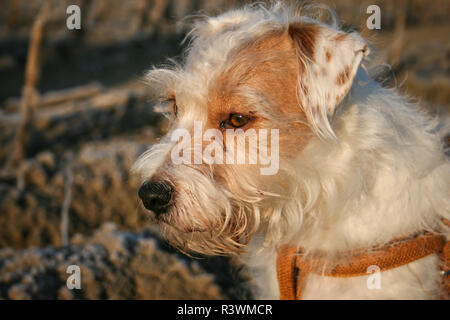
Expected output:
(374, 184)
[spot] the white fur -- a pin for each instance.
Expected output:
(386, 178)
(374, 170)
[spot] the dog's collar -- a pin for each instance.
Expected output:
(293, 267)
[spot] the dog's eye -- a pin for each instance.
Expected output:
(237, 120)
(170, 103)
(175, 108)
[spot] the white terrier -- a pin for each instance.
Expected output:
(359, 167)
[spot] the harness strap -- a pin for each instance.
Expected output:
(293, 267)
(286, 272)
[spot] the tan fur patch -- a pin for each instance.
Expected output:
(269, 66)
(304, 36)
(343, 76)
(328, 55)
(340, 97)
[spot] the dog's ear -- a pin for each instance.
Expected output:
(328, 60)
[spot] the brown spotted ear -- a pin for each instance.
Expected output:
(328, 60)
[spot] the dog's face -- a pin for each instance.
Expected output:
(206, 183)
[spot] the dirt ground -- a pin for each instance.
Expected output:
(86, 143)
(118, 265)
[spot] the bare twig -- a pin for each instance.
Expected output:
(52, 98)
(29, 93)
(68, 181)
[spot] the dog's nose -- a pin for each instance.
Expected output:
(155, 196)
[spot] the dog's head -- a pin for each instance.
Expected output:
(256, 86)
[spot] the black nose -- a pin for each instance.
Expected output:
(156, 196)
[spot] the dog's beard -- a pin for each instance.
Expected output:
(229, 238)
(207, 217)
(217, 209)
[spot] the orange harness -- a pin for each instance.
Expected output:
(293, 267)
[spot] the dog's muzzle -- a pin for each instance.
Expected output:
(156, 196)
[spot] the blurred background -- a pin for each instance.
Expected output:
(74, 116)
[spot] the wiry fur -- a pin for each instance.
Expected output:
(359, 165)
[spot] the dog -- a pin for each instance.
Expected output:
(355, 165)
